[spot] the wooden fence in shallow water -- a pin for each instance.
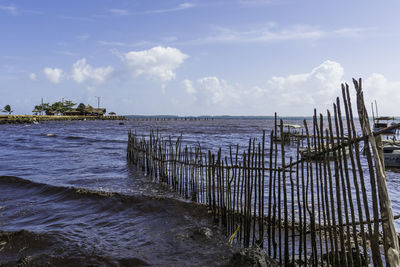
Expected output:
(320, 207)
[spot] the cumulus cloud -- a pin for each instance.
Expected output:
(33, 77)
(385, 92)
(157, 63)
(218, 91)
(81, 72)
(188, 85)
(319, 86)
(294, 94)
(53, 74)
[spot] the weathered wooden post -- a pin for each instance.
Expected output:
(390, 240)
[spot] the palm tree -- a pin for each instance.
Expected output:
(7, 109)
(111, 113)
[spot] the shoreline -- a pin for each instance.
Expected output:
(17, 119)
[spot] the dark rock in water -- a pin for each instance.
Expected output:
(203, 232)
(121, 123)
(299, 260)
(251, 257)
(132, 262)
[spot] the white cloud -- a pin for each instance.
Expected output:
(188, 85)
(182, 6)
(119, 12)
(274, 32)
(83, 37)
(385, 92)
(318, 87)
(296, 94)
(112, 43)
(81, 72)
(352, 31)
(125, 44)
(157, 63)
(212, 92)
(33, 77)
(256, 3)
(85, 19)
(268, 32)
(218, 91)
(11, 9)
(53, 74)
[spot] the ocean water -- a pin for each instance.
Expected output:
(68, 196)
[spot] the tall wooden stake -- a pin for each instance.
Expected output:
(390, 241)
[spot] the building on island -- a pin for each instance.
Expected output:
(87, 111)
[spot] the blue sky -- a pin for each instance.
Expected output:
(237, 57)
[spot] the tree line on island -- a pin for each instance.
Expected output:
(65, 108)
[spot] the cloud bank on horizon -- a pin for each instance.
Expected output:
(295, 93)
(167, 58)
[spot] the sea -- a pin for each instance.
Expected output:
(68, 196)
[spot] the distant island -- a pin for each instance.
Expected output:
(60, 110)
(66, 108)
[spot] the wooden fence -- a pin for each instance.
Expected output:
(319, 207)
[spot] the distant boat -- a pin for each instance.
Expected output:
(382, 122)
(391, 155)
(315, 154)
(291, 132)
(291, 128)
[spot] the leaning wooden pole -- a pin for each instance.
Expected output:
(390, 241)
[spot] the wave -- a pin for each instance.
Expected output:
(144, 203)
(50, 249)
(68, 226)
(93, 139)
(73, 192)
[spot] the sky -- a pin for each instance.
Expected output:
(199, 57)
